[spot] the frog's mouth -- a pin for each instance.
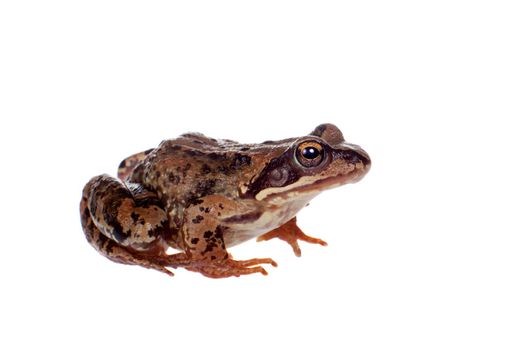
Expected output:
(312, 185)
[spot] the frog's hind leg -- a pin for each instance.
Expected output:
(127, 165)
(124, 225)
(291, 234)
(111, 250)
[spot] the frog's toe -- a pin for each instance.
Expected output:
(129, 257)
(252, 262)
(231, 268)
(291, 234)
(249, 270)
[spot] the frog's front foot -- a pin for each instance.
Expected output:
(291, 233)
(230, 267)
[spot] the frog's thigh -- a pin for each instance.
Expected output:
(132, 219)
(112, 249)
(128, 164)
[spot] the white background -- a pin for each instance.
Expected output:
(427, 252)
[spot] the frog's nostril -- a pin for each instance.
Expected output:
(360, 154)
(364, 157)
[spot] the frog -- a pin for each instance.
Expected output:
(184, 203)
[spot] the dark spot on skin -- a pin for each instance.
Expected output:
(197, 219)
(100, 240)
(207, 210)
(118, 233)
(193, 153)
(214, 239)
(185, 169)
(241, 160)
(270, 142)
(198, 142)
(213, 257)
(176, 147)
(122, 164)
(157, 174)
(243, 218)
(148, 151)
(108, 247)
(205, 188)
(174, 178)
(159, 230)
(209, 247)
(135, 217)
(86, 214)
(175, 228)
(194, 240)
(217, 156)
(244, 149)
(195, 201)
(201, 208)
(219, 232)
(223, 169)
(205, 169)
(112, 197)
(221, 206)
(148, 202)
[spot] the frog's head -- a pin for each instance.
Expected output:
(307, 165)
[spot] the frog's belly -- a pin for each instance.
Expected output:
(263, 222)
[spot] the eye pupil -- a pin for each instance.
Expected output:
(310, 152)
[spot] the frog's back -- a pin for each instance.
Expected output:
(193, 166)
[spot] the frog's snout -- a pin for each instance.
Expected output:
(358, 155)
(364, 157)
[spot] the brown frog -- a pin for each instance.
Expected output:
(200, 196)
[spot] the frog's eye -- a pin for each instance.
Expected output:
(309, 154)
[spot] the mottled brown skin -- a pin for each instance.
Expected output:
(200, 195)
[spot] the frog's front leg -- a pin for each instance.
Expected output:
(126, 224)
(291, 233)
(204, 228)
